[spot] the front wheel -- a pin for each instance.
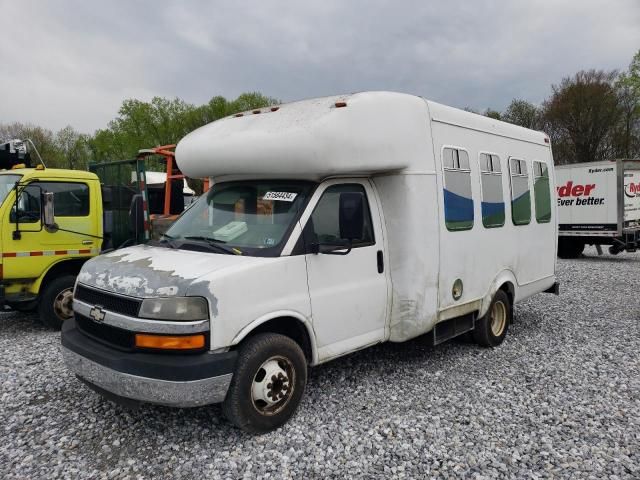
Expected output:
(491, 329)
(56, 301)
(268, 383)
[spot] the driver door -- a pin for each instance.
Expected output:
(349, 293)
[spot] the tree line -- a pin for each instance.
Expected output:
(592, 115)
(138, 125)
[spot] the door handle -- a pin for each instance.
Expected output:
(87, 242)
(380, 261)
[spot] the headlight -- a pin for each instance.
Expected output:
(178, 308)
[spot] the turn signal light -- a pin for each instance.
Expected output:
(170, 342)
(340, 104)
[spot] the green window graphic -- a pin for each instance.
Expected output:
(520, 195)
(541, 192)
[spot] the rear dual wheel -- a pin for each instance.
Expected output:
(491, 329)
(268, 383)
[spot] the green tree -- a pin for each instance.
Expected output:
(162, 122)
(627, 134)
(581, 115)
(73, 147)
(495, 114)
(523, 113)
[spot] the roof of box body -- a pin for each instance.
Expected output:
(375, 132)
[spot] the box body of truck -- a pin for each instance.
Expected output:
(598, 204)
(332, 224)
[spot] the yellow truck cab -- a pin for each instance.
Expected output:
(40, 261)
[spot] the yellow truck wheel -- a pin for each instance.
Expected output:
(23, 307)
(56, 301)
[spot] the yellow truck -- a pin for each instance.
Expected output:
(53, 220)
(40, 262)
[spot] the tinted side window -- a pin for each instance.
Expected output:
(492, 200)
(541, 192)
(70, 199)
(28, 205)
(324, 224)
(520, 195)
(458, 203)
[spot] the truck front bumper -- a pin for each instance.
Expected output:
(165, 379)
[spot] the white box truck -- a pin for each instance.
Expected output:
(332, 224)
(598, 204)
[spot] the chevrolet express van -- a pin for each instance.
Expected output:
(332, 224)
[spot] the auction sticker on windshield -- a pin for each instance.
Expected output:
(281, 196)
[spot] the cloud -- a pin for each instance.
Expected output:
(73, 62)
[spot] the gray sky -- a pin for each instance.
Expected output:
(73, 62)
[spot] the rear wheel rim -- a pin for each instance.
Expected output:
(63, 304)
(498, 318)
(273, 385)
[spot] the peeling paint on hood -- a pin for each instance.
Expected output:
(144, 271)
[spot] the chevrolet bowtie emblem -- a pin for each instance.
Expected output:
(97, 313)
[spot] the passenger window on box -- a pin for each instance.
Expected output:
(520, 195)
(492, 199)
(458, 202)
(541, 192)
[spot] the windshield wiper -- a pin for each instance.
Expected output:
(215, 244)
(167, 240)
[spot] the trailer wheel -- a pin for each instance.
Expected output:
(268, 383)
(491, 329)
(56, 301)
(569, 248)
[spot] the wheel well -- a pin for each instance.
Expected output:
(508, 288)
(289, 327)
(66, 267)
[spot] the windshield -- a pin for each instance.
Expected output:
(7, 183)
(245, 217)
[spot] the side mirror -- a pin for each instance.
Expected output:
(351, 215)
(48, 212)
(136, 218)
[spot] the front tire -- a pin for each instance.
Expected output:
(491, 329)
(56, 301)
(268, 383)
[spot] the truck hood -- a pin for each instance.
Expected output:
(144, 271)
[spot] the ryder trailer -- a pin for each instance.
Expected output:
(598, 204)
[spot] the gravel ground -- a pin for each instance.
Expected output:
(560, 398)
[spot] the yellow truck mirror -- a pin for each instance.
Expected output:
(49, 219)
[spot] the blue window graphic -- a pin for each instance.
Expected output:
(458, 202)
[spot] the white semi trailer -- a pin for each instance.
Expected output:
(598, 204)
(333, 224)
